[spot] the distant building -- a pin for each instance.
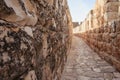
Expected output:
(75, 24)
(76, 27)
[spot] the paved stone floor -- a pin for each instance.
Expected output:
(84, 64)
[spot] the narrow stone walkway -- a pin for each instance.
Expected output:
(84, 64)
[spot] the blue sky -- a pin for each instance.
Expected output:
(80, 8)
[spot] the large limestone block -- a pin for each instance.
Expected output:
(50, 2)
(110, 16)
(112, 7)
(25, 15)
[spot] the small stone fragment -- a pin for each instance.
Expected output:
(5, 57)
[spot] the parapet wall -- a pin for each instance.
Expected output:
(101, 30)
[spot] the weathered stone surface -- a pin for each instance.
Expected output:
(35, 37)
(110, 16)
(112, 7)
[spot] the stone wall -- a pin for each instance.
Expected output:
(35, 38)
(101, 30)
